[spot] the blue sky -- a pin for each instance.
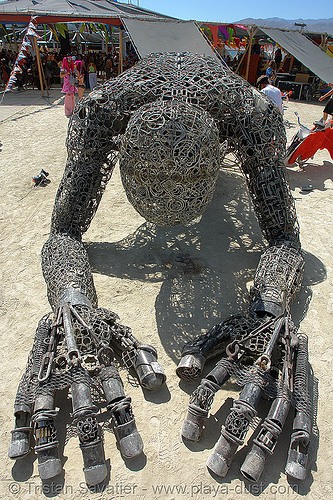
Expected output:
(230, 11)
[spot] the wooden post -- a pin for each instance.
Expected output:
(252, 33)
(120, 62)
(39, 64)
(242, 59)
(42, 71)
(15, 38)
(324, 39)
(291, 63)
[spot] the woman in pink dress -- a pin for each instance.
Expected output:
(68, 73)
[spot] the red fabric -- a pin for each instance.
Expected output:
(322, 139)
(214, 30)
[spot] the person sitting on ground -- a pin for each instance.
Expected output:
(272, 92)
(328, 109)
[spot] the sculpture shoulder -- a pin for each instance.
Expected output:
(196, 79)
(186, 76)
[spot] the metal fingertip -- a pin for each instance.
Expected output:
(296, 466)
(253, 466)
(191, 431)
(153, 381)
(50, 468)
(131, 446)
(95, 474)
(217, 464)
(190, 366)
(19, 448)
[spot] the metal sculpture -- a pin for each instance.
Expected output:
(169, 120)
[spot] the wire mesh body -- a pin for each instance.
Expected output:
(169, 121)
(172, 117)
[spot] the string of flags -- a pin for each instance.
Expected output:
(225, 35)
(58, 28)
(23, 54)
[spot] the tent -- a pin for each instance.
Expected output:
(167, 35)
(148, 30)
(301, 45)
(304, 50)
(64, 11)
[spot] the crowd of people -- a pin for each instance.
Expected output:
(77, 72)
(106, 65)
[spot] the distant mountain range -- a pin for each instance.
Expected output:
(313, 25)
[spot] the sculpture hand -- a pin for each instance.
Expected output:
(263, 358)
(74, 350)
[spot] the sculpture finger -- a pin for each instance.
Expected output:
(88, 429)
(266, 440)
(143, 358)
(195, 353)
(264, 444)
(140, 357)
(236, 328)
(244, 409)
(203, 397)
(21, 435)
(122, 418)
(236, 427)
(45, 434)
(298, 454)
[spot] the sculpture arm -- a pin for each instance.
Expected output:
(261, 148)
(92, 154)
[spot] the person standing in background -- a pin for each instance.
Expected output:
(92, 70)
(255, 47)
(271, 72)
(278, 58)
(108, 67)
(67, 72)
(328, 109)
(80, 78)
(273, 93)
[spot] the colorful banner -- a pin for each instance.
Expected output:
(54, 31)
(224, 34)
(214, 31)
(62, 28)
(22, 55)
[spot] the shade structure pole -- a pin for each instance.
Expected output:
(242, 59)
(291, 63)
(15, 37)
(252, 33)
(39, 64)
(120, 64)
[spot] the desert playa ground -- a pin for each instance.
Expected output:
(167, 285)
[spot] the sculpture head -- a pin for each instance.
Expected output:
(169, 161)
